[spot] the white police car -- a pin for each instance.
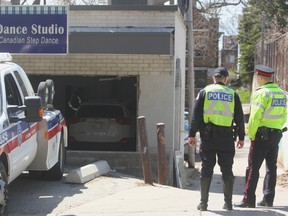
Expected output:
(33, 134)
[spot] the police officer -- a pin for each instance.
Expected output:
(267, 117)
(217, 109)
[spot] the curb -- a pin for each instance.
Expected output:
(88, 172)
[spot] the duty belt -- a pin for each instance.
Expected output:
(273, 130)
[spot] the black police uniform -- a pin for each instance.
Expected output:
(265, 146)
(216, 141)
(221, 142)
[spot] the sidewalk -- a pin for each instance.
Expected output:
(158, 200)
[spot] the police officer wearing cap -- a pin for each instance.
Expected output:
(217, 109)
(267, 118)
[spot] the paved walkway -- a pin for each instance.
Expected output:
(157, 200)
(216, 195)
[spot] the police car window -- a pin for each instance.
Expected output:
(21, 83)
(12, 93)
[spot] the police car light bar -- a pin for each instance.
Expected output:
(5, 57)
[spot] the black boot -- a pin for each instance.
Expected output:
(205, 187)
(264, 203)
(228, 182)
(243, 204)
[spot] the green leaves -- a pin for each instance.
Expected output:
(268, 16)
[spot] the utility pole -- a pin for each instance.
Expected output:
(190, 75)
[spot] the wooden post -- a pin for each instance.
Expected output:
(145, 156)
(161, 154)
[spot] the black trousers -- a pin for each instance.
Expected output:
(222, 148)
(259, 151)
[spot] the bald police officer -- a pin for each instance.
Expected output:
(267, 117)
(216, 109)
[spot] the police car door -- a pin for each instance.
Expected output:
(21, 144)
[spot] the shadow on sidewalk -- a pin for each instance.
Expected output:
(254, 212)
(193, 183)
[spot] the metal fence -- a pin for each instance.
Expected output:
(275, 55)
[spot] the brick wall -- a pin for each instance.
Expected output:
(94, 64)
(121, 18)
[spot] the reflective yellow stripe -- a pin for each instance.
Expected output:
(267, 114)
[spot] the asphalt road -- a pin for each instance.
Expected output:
(28, 196)
(47, 198)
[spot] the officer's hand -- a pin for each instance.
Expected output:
(192, 141)
(240, 144)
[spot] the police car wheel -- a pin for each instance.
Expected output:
(3, 190)
(42, 91)
(51, 91)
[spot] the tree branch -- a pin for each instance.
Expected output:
(217, 4)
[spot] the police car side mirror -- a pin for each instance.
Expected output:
(32, 108)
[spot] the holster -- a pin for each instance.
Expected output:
(206, 131)
(262, 134)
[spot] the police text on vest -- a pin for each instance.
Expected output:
(220, 96)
